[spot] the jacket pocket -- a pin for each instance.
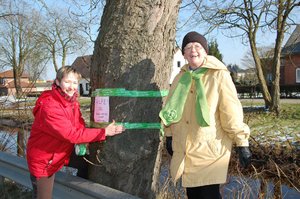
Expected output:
(215, 147)
(49, 162)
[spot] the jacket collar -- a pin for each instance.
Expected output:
(61, 97)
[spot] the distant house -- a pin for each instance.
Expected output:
(290, 60)
(82, 65)
(243, 76)
(40, 86)
(7, 85)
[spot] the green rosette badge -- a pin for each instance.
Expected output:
(81, 149)
(170, 116)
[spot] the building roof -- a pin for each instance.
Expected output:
(292, 45)
(82, 65)
(23, 85)
(10, 74)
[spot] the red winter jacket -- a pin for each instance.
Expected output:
(57, 126)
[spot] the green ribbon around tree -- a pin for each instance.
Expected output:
(129, 125)
(122, 92)
(172, 111)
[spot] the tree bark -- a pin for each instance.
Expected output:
(134, 50)
(21, 143)
(259, 69)
(284, 8)
(17, 81)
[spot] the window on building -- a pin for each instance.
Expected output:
(87, 86)
(298, 75)
(178, 64)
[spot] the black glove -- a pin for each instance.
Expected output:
(169, 145)
(244, 156)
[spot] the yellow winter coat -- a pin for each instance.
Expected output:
(201, 154)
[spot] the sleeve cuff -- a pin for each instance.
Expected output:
(242, 143)
(102, 135)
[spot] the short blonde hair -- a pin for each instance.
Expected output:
(66, 70)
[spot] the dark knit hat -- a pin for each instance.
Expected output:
(194, 37)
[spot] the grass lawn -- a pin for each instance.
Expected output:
(266, 124)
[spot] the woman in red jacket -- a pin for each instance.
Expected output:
(57, 126)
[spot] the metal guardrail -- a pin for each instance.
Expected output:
(65, 186)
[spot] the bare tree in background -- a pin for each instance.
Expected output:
(61, 37)
(134, 50)
(280, 13)
(266, 54)
(18, 43)
(87, 15)
(36, 64)
(20, 49)
(70, 29)
(4, 12)
(245, 19)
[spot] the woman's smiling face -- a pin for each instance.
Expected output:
(195, 54)
(69, 84)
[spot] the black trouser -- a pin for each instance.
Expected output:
(204, 192)
(80, 164)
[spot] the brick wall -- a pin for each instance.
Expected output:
(289, 70)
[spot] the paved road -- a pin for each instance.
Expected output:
(284, 101)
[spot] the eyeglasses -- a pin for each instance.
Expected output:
(190, 46)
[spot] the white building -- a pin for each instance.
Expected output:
(178, 62)
(82, 65)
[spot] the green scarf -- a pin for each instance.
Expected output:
(172, 111)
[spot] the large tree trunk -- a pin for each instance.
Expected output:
(134, 50)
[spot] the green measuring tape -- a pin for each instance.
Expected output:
(122, 92)
(128, 125)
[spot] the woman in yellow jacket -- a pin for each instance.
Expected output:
(203, 117)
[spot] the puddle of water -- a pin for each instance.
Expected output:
(249, 109)
(8, 141)
(250, 188)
